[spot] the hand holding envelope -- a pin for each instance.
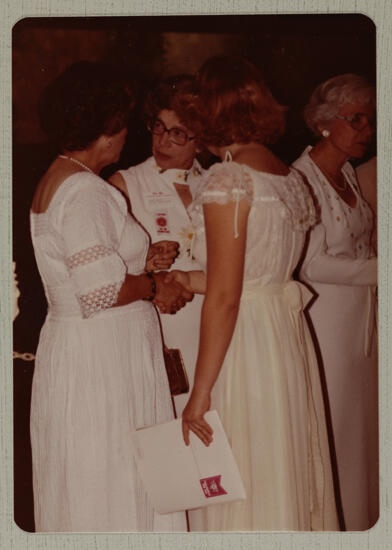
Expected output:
(180, 477)
(193, 418)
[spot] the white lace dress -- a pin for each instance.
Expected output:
(99, 371)
(268, 392)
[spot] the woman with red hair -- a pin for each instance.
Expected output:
(256, 364)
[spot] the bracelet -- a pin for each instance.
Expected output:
(150, 275)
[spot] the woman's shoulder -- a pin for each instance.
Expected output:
(223, 181)
(263, 160)
(131, 172)
(311, 175)
(83, 184)
(54, 187)
(304, 161)
(87, 191)
(296, 195)
(136, 177)
(233, 177)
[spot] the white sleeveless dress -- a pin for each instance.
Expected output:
(157, 206)
(99, 370)
(268, 392)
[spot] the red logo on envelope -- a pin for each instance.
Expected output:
(212, 486)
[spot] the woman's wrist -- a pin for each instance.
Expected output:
(197, 281)
(201, 390)
(153, 292)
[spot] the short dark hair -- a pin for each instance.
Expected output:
(232, 104)
(87, 100)
(167, 94)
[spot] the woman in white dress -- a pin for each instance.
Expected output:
(341, 269)
(99, 371)
(159, 190)
(256, 363)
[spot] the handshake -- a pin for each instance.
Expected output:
(171, 293)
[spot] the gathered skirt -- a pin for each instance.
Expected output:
(95, 381)
(268, 395)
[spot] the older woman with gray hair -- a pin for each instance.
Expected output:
(340, 267)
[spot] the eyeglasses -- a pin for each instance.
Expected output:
(358, 121)
(176, 135)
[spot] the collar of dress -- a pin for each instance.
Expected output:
(173, 175)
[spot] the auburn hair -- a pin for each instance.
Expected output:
(232, 104)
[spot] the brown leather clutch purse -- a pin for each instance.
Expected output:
(176, 373)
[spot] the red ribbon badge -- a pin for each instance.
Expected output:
(212, 486)
(161, 221)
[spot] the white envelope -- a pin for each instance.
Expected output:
(177, 477)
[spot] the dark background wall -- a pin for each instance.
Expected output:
(293, 52)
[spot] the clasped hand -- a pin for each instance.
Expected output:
(161, 255)
(170, 296)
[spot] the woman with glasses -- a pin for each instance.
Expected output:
(160, 189)
(340, 267)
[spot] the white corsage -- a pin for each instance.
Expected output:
(186, 236)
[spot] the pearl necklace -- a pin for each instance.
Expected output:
(331, 179)
(334, 182)
(77, 162)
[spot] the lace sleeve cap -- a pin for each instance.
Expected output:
(223, 183)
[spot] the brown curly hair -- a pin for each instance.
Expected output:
(232, 104)
(84, 102)
(169, 94)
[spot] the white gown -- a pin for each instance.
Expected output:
(341, 268)
(99, 372)
(268, 392)
(157, 206)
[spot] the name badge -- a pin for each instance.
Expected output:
(158, 201)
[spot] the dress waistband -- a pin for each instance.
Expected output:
(295, 296)
(296, 293)
(63, 304)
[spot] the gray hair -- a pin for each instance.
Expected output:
(329, 96)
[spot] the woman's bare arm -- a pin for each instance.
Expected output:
(225, 268)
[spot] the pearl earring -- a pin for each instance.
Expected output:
(325, 133)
